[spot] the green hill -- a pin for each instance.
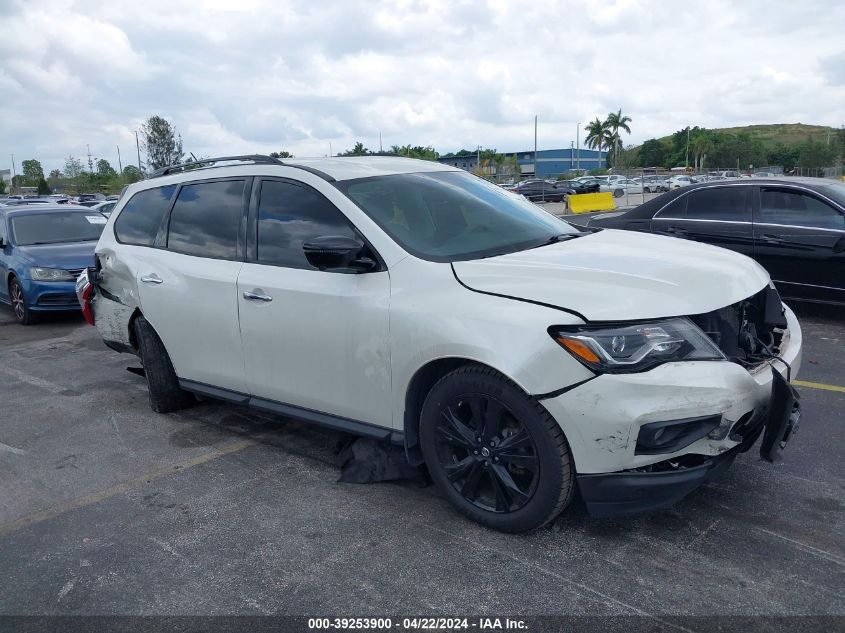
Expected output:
(781, 144)
(779, 133)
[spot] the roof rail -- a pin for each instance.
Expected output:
(258, 159)
(253, 158)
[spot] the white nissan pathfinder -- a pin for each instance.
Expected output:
(516, 355)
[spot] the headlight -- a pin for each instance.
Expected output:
(638, 347)
(50, 274)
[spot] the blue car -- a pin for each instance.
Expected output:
(43, 249)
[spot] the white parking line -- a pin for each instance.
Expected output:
(11, 449)
(29, 379)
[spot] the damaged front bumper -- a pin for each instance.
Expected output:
(607, 418)
(663, 484)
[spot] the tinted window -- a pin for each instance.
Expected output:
(288, 216)
(676, 210)
(140, 218)
(781, 206)
(719, 203)
(57, 227)
(450, 216)
(205, 219)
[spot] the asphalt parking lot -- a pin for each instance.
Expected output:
(109, 508)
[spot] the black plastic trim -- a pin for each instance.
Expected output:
(328, 420)
(536, 303)
(632, 492)
(563, 390)
(690, 430)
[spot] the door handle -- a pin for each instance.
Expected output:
(771, 239)
(152, 279)
(674, 230)
(257, 295)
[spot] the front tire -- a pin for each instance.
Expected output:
(617, 193)
(17, 299)
(494, 451)
(162, 382)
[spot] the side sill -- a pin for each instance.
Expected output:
(319, 418)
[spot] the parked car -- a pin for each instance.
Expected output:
(591, 184)
(104, 207)
(511, 352)
(621, 186)
(676, 182)
(538, 190)
(794, 228)
(43, 249)
(576, 186)
(17, 202)
(90, 203)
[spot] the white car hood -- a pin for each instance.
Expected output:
(620, 276)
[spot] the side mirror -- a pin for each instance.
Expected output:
(332, 252)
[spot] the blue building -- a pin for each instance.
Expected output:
(550, 162)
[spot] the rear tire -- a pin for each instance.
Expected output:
(163, 384)
(618, 193)
(494, 451)
(17, 299)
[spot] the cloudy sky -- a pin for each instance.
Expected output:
(238, 76)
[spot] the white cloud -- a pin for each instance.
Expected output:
(257, 75)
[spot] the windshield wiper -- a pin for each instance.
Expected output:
(562, 237)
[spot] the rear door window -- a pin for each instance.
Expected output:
(675, 210)
(206, 219)
(140, 218)
(795, 208)
(728, 204)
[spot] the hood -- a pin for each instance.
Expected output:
(620, 276)
(65, 256)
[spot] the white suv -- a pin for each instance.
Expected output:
(514, 354)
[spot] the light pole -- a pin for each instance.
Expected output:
(578, 146)
(138, 148)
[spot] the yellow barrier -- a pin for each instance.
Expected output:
(585, 202)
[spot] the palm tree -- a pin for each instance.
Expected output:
(597, 135)
(616, 121)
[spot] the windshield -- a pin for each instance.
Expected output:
(452, 216)
(836, 190)
(58, 227)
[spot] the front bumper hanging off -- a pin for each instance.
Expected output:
(647, 490)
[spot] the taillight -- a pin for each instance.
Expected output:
(87, 312)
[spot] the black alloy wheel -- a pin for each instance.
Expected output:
(489, 457)
(494, 451)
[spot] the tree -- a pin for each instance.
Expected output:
(73, 170)
(700, 145)
(415, 151)
(358, 150)
(616, 121)
(131, 174)
(652, 153)
(32, 172)
(282, 154)
(598, 135)
(2, 185)
(785, 156)
(43, 187)
(814, 155)
(105, 170)
(161, 142)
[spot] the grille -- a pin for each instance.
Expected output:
(57, 299)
